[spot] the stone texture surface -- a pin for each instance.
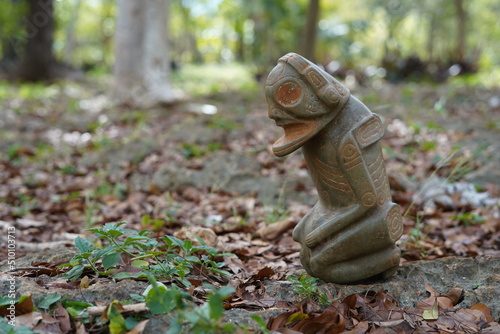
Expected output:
(231, 172)
(478, 277)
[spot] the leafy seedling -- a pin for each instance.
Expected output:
(306, 287)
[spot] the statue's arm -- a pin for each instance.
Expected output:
(334, 225)
(359, 177)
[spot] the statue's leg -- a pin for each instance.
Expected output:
(383, 263)
(305, 259)
(308, 223)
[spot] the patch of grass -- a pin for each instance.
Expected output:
(210, 79)
(190, 150)
(219, 122)
(24, 205)
(429, 145)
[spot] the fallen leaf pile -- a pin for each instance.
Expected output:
(378, 312)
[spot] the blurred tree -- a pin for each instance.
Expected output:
(461, 31)
(309, 33)
(37, 61)
(70, 32)
(11, 35)
(141, 70)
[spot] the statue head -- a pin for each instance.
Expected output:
(302, 100)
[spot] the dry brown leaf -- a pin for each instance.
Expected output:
(80, 328)
(275, 230)
(484, 309)
(139, 328)
(454, 295)
(29, 319)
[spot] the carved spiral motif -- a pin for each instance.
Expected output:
(348, 151)
(395, 223)
(382, 197)
(368, 199)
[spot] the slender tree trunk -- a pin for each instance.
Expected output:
(430, 37)
(191, 36)
(155, 51)
(37, 62)
(70, 33)
(141, 70)
(308, 41)
(240, 43)
(461, 29)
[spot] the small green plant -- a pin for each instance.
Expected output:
(415, 236)
(185, 317)
(276, 214)
(171, 258)
(69, 170)
(25, 204)
(219, 122)
(154, 224)
(307, 288)
(469, 218)
(189, 150)
(6, 328)
(90, 208)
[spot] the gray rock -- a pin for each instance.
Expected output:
(478, 277)
(437, 192)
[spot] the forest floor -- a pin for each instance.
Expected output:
(71, 161)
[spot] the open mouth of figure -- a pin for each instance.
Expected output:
(295, 136)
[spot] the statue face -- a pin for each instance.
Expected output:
(294, 106)
(287, 92)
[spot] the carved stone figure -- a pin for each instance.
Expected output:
(350, 234)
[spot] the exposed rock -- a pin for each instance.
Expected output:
(232, 172)
(479, 278)
(436, 192)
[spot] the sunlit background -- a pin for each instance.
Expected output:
(429, 40)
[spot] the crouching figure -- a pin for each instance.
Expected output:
(350, 234)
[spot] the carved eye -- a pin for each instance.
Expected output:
(289, 94)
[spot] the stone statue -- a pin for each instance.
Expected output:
(349, 235)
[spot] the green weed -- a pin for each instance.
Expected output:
(189, 150)
(469, 218)
(168, 258)
(219, 122)
(307, 288)
(24, 205)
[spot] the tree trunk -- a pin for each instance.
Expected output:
(12, 41)
(430, 37)
(37, 62)
(70, 33)
(308, 41)
(461, 30)
(196, 55)
(141, 71)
